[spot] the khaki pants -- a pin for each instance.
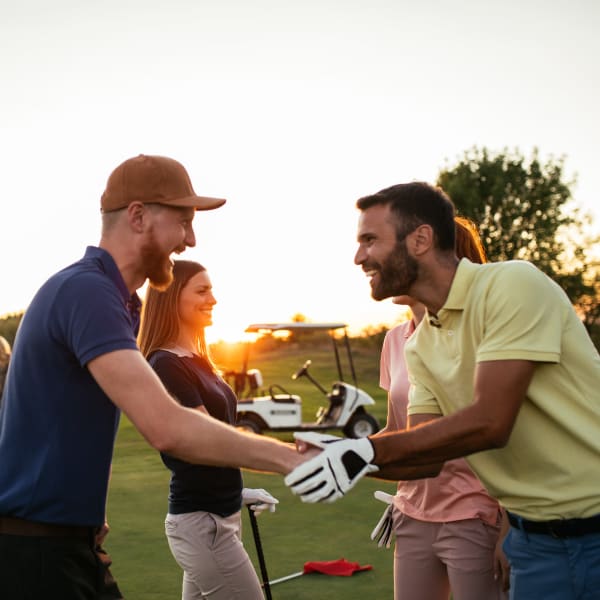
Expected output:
(209, 550)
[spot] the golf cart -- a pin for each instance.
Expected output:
(275, 409)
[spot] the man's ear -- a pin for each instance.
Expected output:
(422, 239)
(136, 211)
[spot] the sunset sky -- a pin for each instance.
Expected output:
(289, 109)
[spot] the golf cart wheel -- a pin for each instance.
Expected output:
(249, 424)
(361, 425)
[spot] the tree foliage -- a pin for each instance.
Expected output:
(9, 324)
(524, 209)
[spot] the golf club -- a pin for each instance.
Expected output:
(259, 552)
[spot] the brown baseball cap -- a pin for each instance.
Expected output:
(153, 179)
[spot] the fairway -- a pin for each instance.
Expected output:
(294, 534)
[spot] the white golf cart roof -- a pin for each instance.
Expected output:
(268, 327)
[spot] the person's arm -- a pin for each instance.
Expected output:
(499, 391)
(188, 434)
(395, 472)
(390, 424)
(500, 388)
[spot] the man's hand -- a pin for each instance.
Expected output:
(330, 474)
(101, 534)
(259, 500)
(501, 564)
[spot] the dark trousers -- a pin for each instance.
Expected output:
(109, 588)
(49, 568)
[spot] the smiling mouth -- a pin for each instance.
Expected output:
(370, 274)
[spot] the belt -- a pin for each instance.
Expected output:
(558, 528)
(16, 526)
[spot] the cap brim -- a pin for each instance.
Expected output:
(199, 202)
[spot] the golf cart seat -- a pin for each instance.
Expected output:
(255, 379)
(279, 398)
(337, 394)
(286, 398)
(251, 379)
(336, 402)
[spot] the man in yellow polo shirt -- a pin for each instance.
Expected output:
(502, 372)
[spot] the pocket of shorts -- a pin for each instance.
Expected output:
(492, 532)
(398, 519)
(215, 527)
(170, 526)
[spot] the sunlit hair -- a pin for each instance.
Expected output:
(160, 313)
(109, 219)
(414, 204)
(468, 242)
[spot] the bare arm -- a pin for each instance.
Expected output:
(396, 471)
(188, 434)
(500, 388)
(390, 424)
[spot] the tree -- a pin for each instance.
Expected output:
(9, 324)
(524, 210)
(299, 318)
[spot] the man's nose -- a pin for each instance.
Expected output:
(359, 257)
(190, 237)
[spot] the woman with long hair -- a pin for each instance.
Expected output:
(203, 524)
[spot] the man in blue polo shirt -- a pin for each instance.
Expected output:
(75, 365)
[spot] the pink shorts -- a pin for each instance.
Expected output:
(432, 560)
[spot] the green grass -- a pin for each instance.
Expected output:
(294, 534)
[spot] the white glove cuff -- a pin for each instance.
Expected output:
(367, 452)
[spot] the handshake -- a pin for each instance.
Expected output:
(329, 475)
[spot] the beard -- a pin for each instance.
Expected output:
(395, 275)
(157, 266)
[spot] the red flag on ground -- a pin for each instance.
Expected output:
(334, 567)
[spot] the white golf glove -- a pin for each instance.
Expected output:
(259, 500)
(330, 474)
(382, 533)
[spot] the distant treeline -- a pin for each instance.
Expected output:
(8, 326)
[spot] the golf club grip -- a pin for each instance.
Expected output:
(259, 552)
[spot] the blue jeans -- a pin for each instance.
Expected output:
(543, 567)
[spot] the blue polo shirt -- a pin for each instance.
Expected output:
(57, 427)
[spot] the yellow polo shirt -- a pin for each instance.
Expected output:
(550, 468)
